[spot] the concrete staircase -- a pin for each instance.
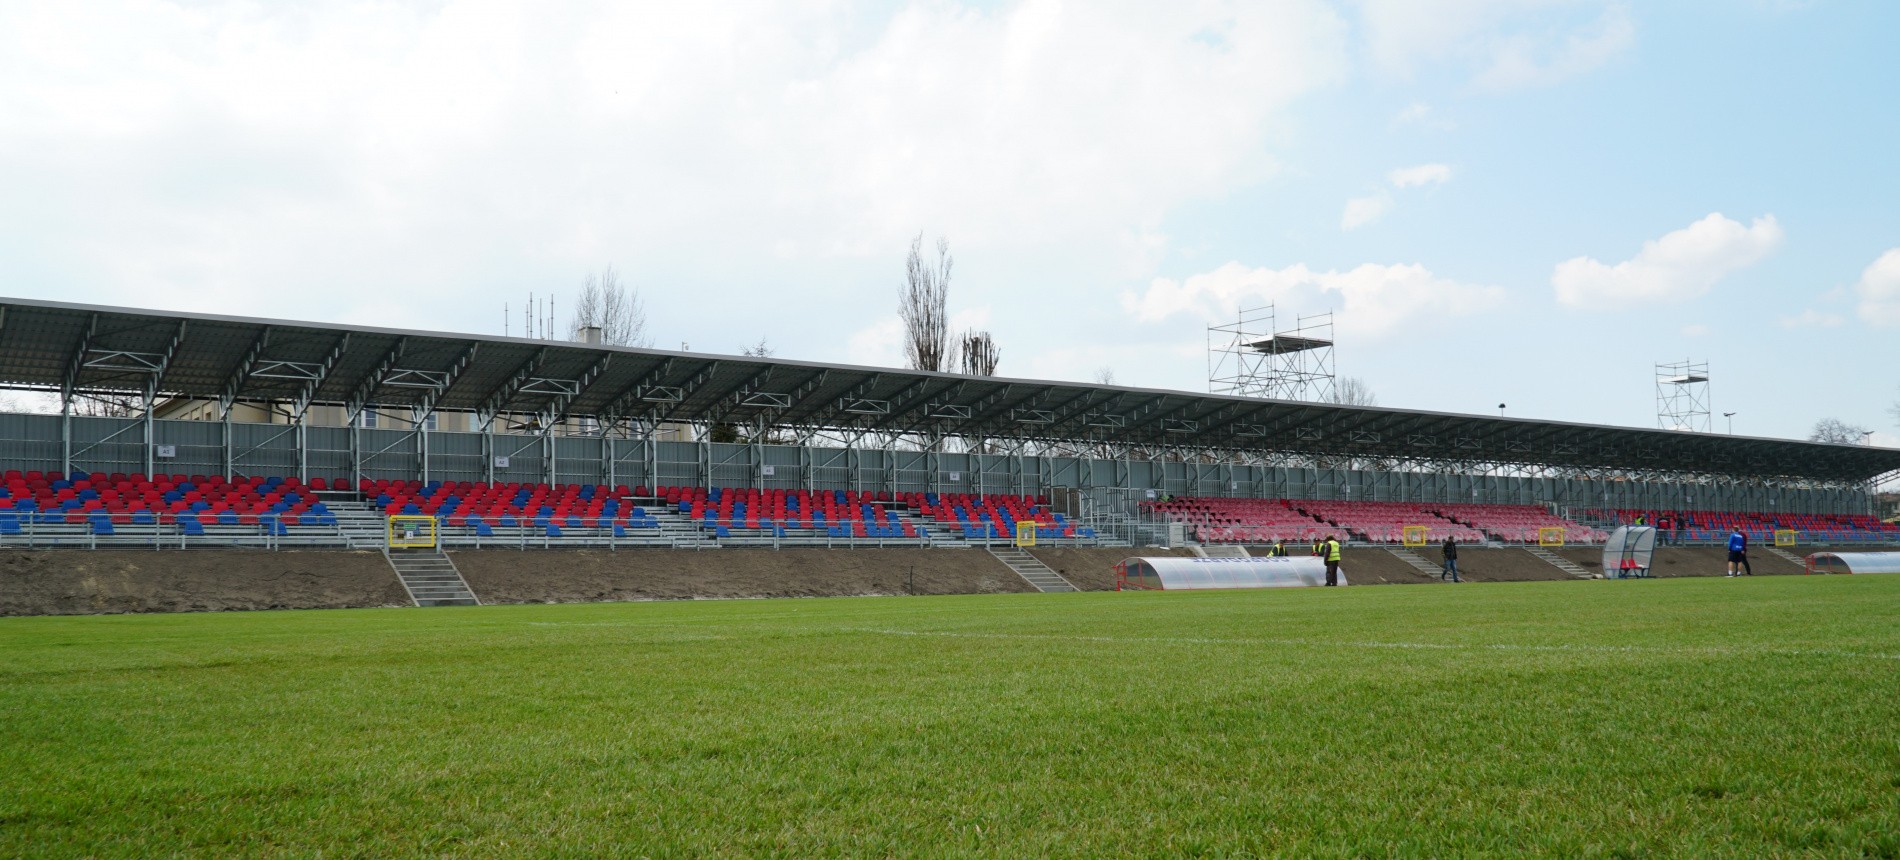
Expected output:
(1032, 570)
(1793, 559)
(1417, 561)
(431, 578)
(1561, 563)
(360, 524)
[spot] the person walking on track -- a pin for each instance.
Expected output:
(1737, 551)
(1451, 560)
(1332, 560)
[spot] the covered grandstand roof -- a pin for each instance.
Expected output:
(56, 345)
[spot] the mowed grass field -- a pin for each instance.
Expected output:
(1686, 717)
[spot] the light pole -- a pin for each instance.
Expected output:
(1500, 410)
(1867, 438)
(1731, 422)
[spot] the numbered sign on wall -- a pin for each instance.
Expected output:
(768, 471)
(501, 462)
(165, 452)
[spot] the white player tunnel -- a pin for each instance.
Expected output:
(1854, 562)
(1174, 573)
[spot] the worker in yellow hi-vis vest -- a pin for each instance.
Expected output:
(1332, 560)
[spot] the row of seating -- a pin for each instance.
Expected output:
(1758, 525)
(108, 500)
(994, 516)
(188, 522)
(102, 502)
(1225, 520)
(1520, 523)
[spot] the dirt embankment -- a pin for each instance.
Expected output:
(1674, 561)
(86, 582)
(574, 576)
(1093, 568)
(1378, 566)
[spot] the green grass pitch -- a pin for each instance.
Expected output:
(1689, 717)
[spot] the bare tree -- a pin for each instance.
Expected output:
(978, 353)
(757, 350)
(108, 405)
(1105, 375)
(616, 309)
(924, 307)
(1353, 391)
(1836, 431)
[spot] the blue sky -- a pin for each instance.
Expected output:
(1526, 201)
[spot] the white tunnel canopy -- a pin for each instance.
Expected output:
(1175, 573)
(1854, 562)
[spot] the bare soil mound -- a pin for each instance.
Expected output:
(1508, 564)
(572, 576)
(86, 582)
(1672, 561)
(1093, 568)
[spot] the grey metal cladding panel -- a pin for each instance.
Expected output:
(188, 432)
(577, 448)
(452, 443)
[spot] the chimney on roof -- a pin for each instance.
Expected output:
(590, 334)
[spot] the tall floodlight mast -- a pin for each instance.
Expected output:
(1682, 396)
(1253, 357)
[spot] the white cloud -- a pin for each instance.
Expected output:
(338, 153)
(1372, 299)
(1508, 44)
(1695, 330)
(880, 344)
(1879, 290)
(1361, 211)
(1812, 318)
(1424, 174)
(1424, 116)
(1681, 265)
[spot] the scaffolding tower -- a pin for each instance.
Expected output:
(1682, 396)
(1254, 357)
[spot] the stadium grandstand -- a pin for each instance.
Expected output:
(252, 432)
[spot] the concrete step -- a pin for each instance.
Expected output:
(1417, 561)
(1790, 557)
(431, 578)
(1561, 563)
(1032, 570)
